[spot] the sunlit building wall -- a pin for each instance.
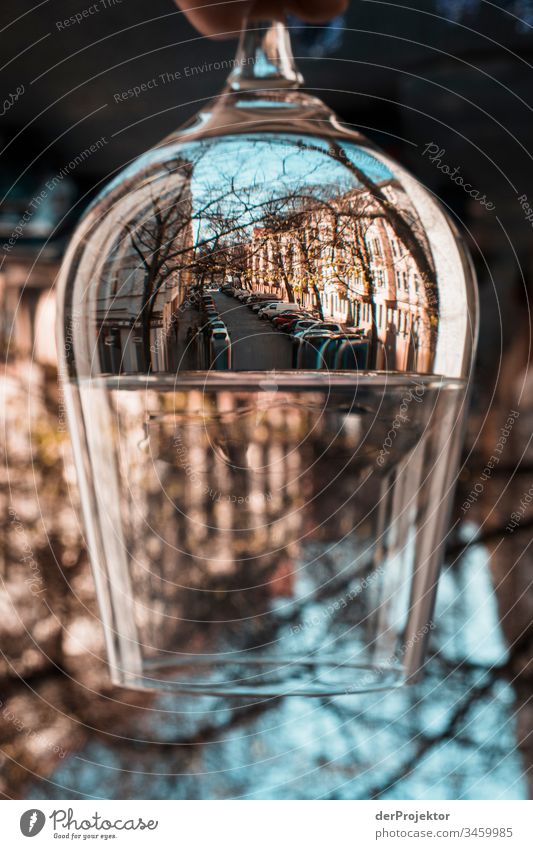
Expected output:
(350, 264)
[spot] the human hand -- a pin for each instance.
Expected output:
(220, 18)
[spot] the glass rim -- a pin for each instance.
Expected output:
(289, 378)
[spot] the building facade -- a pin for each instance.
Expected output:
(347, 260)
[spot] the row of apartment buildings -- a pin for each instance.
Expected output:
(343, 257)
(347, 260)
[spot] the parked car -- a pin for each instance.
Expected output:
(262, 303)
(306, 351)
(302, 330)
(287, 322)
(327, 356)
(220, 349)
(353, 354)
(271, 310)
(259, 303)
(303, 324)
(279, 320)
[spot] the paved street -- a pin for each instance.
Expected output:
(255, 343)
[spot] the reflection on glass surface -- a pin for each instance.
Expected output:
(320, 225)
(266, 329)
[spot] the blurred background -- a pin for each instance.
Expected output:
(436, 84)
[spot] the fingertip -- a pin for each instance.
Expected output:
(219, 22)
(317, 11)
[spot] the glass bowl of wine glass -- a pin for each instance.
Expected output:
(266, 329)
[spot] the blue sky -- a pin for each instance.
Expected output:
(270, 164)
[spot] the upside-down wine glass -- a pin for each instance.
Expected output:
(265, 501)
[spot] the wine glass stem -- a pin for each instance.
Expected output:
(264, 58)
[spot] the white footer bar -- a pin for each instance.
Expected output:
(268, 824)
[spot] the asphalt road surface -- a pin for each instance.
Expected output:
(255, 343)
